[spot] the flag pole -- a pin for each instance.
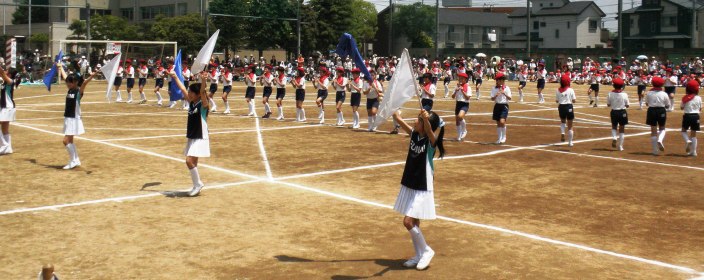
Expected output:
(415, 81)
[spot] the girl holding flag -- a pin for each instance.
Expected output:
(355, 86)
(501, 95)
(299, 84)
(321, 84)
(565, 98)
(267, 80)
(73, 125)
(7, 111)
(280, 82)
(692, 106)
(415, 199)
(374, 92)
(143, 73)
(462, 94)
(340, 84)
(226, 88)
(251, 80)
(197, 128)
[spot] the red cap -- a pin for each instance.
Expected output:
(340, 69)
(301, 69)
(658, 82)
(565, 79)
(447, 65)
(692, 86)
(619, 83)
(268, 66)
(463, 75)
(500, 76)
(356, 70)
(668, 70)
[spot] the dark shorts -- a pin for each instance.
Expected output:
(446, 81)
(159, 83)
(130, 82)
(427, 104)
(522, 83)
(340, 96)
(118, 82)
(500, 112)
(541, 83)
(322, 94)
(227, 89)
(461, 106)
(142, 82)
(690, 121)
(186, 83)
(300, 94)
(213, 88)
(478, 81)
(594, 87)
(566, 111)
(249, 93)
(656, 116)
(641, 89)
(619, 117)
(355, 99)
(670, 90)
(372, 103)
(280, 93)
(267, 91)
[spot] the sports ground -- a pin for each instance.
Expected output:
(288, 200)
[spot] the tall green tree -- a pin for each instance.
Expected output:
(233, 31)
(416, 22)
(188, 30)
(39, 14)
(110, 27)
(309, 29)
(78, 28)
(270, 31)
(364, 22)
(334, 17)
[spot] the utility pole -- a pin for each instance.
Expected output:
(298, 26)
(29, 38)
(695, 35)
(391, 26)
(620, 28)
(528, 27)
(437, 26)
(88, 30)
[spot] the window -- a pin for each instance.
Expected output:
(568, 25)
(62, 14)
(550, 4)
(182, 8)
(535, 25)
(633, 22)
(593, 25)
(669, 21)
(557, 33)
(653, 27)
(84, 13)
(127, 13)
(543, 24)
(152, 12)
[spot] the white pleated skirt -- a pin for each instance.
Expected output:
(73, 126)
(197, 148)
(416, 204)
(7, 115)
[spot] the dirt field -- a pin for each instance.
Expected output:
(287, 200)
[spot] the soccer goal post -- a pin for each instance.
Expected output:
(97, 49)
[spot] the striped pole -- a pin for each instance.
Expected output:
(11, 52)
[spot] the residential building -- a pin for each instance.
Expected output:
(461, 28)
(557, 24)
(661, 24)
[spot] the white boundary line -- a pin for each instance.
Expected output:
(262, 150)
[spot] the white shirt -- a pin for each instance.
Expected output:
(342, 86)
(372, 92)
(214, 78)
(501, 98)
(120, 71)
(281, 81)
(694, 106)
(565, 97)
(250, 82)
(657, 99)
(617, 100)
(186, 74)
(130, 72)
(541, 74)
(322, 85)
(671, 81)
(425, 94)
(143, 72)
(227, 79)
(359, 84)
(302, 83)
(267, 81)
(522, 76)
(459, 96)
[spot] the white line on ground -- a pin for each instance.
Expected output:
(262, 150)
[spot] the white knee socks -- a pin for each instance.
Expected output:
(195, 176)
(500, 132)
(5, 144)
(694, 146)
(281, 112)
(356, 119)
(72, 153)
(303, 114)
(250, 104)
(621, 139)
(504, 134)
(686, 137)
(654, 143)
(141, 95)
(614, 133)
(267, 109)
(158, 97)
(129, 96)
(417, 235)
(562, 128)
(570, 137)
(661, 135)
(119, 96)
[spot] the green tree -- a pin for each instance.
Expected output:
(334, 17)
(78, 28)
(233, 30)
(309, 29)
(40, 38)
(271, 30)
(110, 27)
(39, 14)
(364, 22)
(416, 22)
(188, 30)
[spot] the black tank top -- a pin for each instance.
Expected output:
(72, 99)
(6, 95)
(420, 153)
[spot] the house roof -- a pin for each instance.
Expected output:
(687, 4)
(661, 36)
(499, 10)
(462, 17)
(571, 8)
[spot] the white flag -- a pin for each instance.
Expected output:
(110, 71)
(203, 58)
(402, 88)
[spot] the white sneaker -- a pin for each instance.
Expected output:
(694, 154)
(304, 120)
(570, 144)
(424, 261)
(661, 147)
(412, 262)
(463, 135)
(688, 147)
(227, 112)
(503, 140)
(620, 148)
(118, 100)
(172, 105)
(72, 165)
(159, 103)
(355, 126)
(196, 190)
(498, 142)
(213, 110)
(322, 121)
(129, 100)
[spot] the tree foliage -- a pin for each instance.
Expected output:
(233, 31)
(110, 27)
(417, 23)
(334, 18)
(364, 23)
(188, 30)
(39, 14)
(78, 28)
(271, 30)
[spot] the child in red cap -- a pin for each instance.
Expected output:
(692, 106)
(501, 95)
(566, 97)
(461, 95)
(657, 101)
(618, 101)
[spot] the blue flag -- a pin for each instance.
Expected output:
(48, 77)
(348, 46)
(174, 90)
